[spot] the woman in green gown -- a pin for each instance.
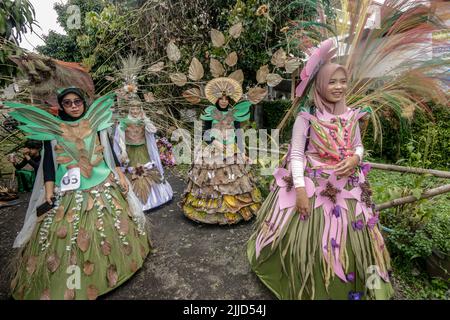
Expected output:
(93, 238)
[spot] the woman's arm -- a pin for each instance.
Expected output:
(21, 164)
(357, 143)
(35, 163)
(298, 145)
(48, 168)
(298, 151)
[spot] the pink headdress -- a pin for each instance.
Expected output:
(318, 58)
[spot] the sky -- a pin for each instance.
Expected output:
(46, 19)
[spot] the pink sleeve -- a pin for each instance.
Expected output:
(299, 133)
(357, 143)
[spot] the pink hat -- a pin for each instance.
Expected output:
(320, 56)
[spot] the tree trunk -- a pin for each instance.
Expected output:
(409, 199)
(391, 167)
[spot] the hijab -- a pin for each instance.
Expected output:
(321, 86)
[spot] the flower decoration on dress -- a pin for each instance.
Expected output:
(358, 225)
(319, 56)
(351, 276)
(287, 194)
(355, 295)
(331, 193)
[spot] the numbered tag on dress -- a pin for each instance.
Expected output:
(71, 180)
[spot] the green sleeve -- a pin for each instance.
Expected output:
(242, 111)
(207, 113)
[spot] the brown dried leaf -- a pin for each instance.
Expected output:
(157, 67)
(70, 216)
(106, 248)
(237, 75)
(192, 95)
(21, 293)
(59, 149)
(90, 203)
(196, 71)
(53, 262)
(257, 94)
(235, 30)
(133, 266)
(216, 68)
(217, 38)
(88, 268)
(232, 59)
(45, 295)
(69, 294)
(143, 252)
(173, 53)
(109, 78)
(279, 58)
(31, 264)
(149, 97)
(92, 292)
(117, 204)
(63, 160)
(61, 232)
(273, 79)
(112, 276)
(178, 78)
(124, 225)
(292, 64)
(261, 74)
(83, 239)
(73, 258)
(127, 249)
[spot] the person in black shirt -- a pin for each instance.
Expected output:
(31, 156)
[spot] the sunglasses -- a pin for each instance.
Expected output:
(67, 103)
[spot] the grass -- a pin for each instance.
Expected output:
(410, 278)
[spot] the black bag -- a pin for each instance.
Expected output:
(45, 207)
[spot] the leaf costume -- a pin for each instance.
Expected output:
(222, 191)
(135, 141)
(94, 233)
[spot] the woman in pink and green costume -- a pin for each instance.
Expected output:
(317, 232)
(94, 237)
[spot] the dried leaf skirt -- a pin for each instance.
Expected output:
(149, 185)
(221, 193)
(83, 248)
(293, 266)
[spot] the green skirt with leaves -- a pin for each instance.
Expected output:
(293, 266)
(86, 246)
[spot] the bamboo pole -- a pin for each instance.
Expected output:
(392, 167)
(409, 199)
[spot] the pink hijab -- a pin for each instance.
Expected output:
(322, 79)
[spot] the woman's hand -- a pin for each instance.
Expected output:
(347, 166)
(122, 181)
(302, 202)
(49, 191)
